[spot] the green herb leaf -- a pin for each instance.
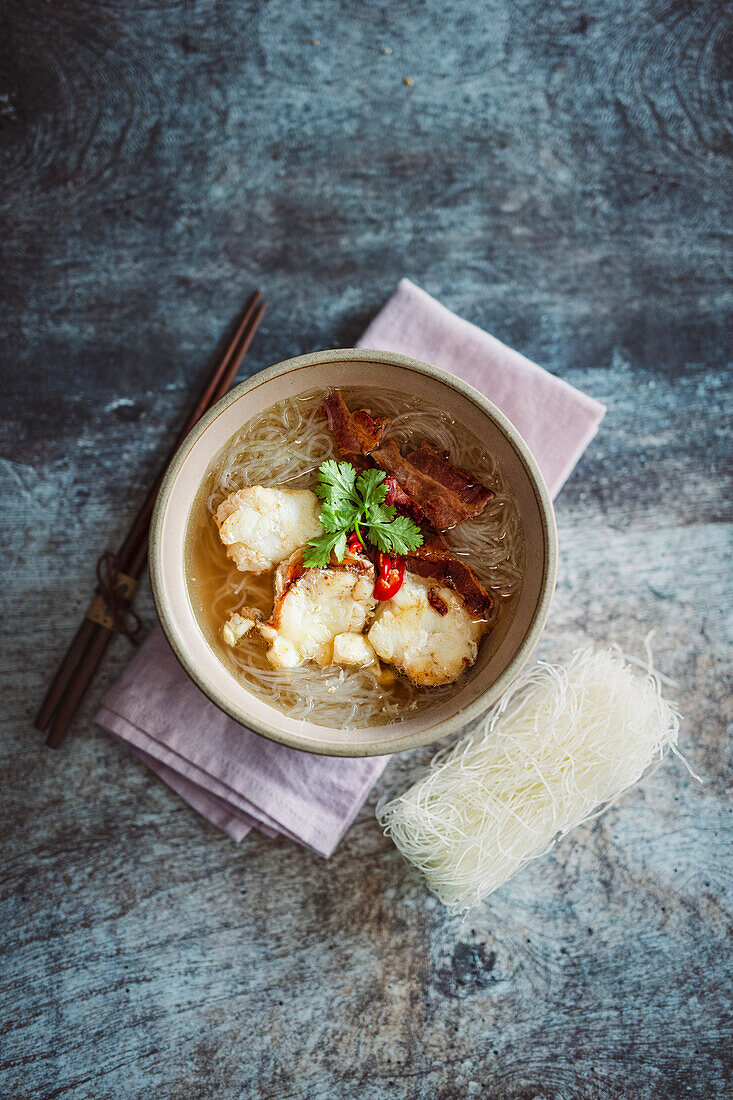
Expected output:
(398, 537)
(340, 547)
(371, 488)
(336, 480)
(351, 503)
(339, 517)
(406, 535)
(382, 513)
(317, 553)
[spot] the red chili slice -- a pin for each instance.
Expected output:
(390, 577)
(354, 544)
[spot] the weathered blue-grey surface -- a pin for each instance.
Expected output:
(557, 174)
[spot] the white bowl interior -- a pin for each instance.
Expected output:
(169, 576)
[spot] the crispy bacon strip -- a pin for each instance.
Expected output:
(420, 484)
(356, 434)
(399, 498)
(443, 505)
(471, 493)
(433, 559)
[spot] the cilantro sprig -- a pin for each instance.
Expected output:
(356, 503)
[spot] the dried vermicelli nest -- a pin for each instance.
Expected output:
(562, 745)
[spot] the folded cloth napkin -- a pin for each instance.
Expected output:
(236, 778)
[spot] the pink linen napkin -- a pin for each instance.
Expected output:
(234, 777)
(556, 420)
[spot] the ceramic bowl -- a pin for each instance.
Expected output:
(502, 653)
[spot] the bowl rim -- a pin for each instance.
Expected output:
(547, 588)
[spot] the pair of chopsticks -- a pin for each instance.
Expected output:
(110, 607)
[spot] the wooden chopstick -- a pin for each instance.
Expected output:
(90, 658)
(216, 385)
(52, 698)
(219, 382)
(91, 639)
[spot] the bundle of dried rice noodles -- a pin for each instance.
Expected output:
(558, 749)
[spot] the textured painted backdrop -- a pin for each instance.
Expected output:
(555, 173)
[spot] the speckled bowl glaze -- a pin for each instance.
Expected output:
(503, 652)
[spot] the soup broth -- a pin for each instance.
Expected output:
(284, 447)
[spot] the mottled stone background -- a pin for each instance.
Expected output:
(555, 173)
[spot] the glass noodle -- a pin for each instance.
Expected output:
(283, 447)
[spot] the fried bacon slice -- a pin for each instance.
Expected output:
(433, 559)
(399, 498)
(422, 484)
(446, 495)
(356, 434)
(472, 494)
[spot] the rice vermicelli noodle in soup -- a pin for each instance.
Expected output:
(284, 448)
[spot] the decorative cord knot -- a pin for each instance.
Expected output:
(115, 592)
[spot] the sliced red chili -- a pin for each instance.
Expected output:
(390, 576)
(354, 544)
